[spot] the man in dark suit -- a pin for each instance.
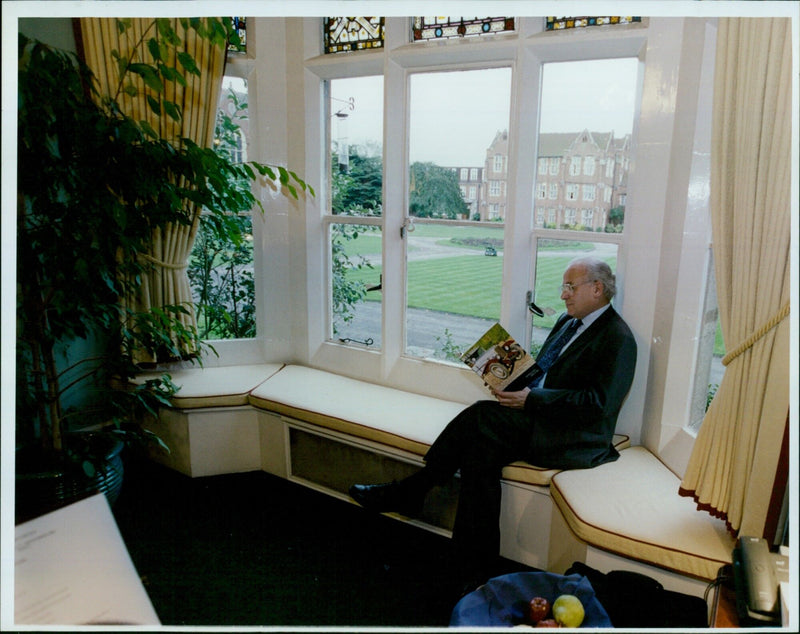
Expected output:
(564, 418)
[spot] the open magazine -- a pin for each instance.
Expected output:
(500, 361)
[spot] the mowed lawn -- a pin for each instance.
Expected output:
(472, 285)
(466, 284)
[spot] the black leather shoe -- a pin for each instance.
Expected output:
(383, 498)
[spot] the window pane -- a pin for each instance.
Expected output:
(455, 277)
(588, 110)
(221, 271)
(356, 133)
(356, 283)
(552, 259)
(458, 144)
(710, 351)
(458, 120)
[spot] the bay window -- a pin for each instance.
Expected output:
(389, 287)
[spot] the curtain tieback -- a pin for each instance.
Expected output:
(750, 341)
(161, 263)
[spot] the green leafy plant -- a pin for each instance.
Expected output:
(347, 291)
(435, 192)
(221, 275)
(359, 187)
(93, 186)
(447, 348)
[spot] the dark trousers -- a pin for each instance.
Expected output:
(480, 441)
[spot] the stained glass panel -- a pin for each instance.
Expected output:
(558, 24)
(443, 27)
(240, 26)
(352, 34)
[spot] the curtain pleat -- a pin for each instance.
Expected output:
(166, 282)
(732, 467)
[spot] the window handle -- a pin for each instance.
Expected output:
(408, 226)
(532, 306)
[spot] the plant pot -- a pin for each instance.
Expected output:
(46, 483)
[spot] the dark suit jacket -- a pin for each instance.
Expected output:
(574, 415)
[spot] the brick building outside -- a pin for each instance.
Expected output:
(581, 181)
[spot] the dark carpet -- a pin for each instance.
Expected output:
(256, 550)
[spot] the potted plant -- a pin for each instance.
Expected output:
(93, 186)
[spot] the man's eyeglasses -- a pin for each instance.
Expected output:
(570, 288)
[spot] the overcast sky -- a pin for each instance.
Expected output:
(455, 115)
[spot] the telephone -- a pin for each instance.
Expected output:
(757, 573)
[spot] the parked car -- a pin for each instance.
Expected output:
(490, 250)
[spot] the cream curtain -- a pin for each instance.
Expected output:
(733, 464)
(167, 282)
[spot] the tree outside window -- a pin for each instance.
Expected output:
(220, 271)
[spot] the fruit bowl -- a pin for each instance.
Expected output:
(505, 600)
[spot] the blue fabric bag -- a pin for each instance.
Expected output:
(505, 600)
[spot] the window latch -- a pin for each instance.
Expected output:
(366, 342)
(408, 226)
(532, 306)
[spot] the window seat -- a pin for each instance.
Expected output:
(316, 427)
(390, 417)
(631, 507)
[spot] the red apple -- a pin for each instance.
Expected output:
(548, 623)
(539, 609)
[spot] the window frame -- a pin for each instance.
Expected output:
(499, 164)
(541, 191)
(572, 191)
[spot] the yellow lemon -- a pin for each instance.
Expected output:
(568, 611)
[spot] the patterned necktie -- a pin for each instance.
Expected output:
(548, 356)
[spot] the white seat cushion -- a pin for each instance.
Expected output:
(226, 386)
(521, 471)
(374, 412)
(632, 507)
